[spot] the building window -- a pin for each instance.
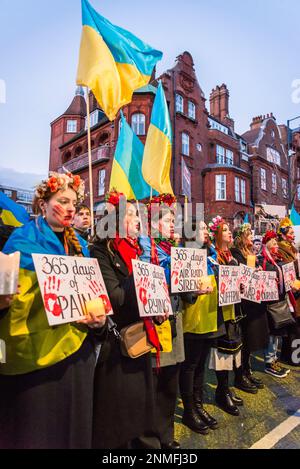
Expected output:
(273, 156)
(229, 157)
(101, 182)
(25, 196)
(220, 155)
(120, 126)
(94, 118)
(284, 188)
(298, 172)
(71, 126)
(237, 189)
(217, 126)
(263, 179)
(7, 192)
(191, 110)
(298, 191)
(179, 103)
(243, 191)
(221, 187)
(138, 124)
(274, 183)
(185, 144)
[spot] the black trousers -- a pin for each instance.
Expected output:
(192, 371)
(166, 391)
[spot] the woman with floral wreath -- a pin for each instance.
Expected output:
(255, 329)
(124, 398)
(157, 249)
(47, 381)
(227, 343)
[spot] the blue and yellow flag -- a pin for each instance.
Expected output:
(113, 63)
(32, 344)
(158, 148)
(11, 213)
(126, 175)
(295, 217)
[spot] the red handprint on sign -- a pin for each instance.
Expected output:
(51, 297)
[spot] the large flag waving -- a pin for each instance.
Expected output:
(11, 213)
(158, 148)
(113, 63)
(126, 175)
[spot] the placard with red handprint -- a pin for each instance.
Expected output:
(269, 286)
(151, 289)
(229, 285)
(188, 267)
(289, 275)
(67, 284)
(252, 285)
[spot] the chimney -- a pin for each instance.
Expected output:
(256, 122)
(224, 102)
(214, 100)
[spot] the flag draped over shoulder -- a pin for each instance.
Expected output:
(295, 217)
(158, 148)
(126, 175)
(113, 62)
(12, 213)
(31, 343)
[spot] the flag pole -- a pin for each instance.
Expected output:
(185, 209)
(90, 162)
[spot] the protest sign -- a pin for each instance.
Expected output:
(9, 273)
(251, 281)
(67, 284)
(269, 286)
(151, 289)
(229, 285)
(289, 275)
(188, 265)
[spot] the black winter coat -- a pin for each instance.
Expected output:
(123, 402)
(255, 328)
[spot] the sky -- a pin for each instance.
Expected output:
(252, 45)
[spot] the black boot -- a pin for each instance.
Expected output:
(224, 401)
(245, 384)
(254, 379)
(236, 399)
(203, 414)
(223, 395)
(190, 416)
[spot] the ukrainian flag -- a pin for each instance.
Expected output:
(158, 148)
(11, 213)
(295, 217)
(113, 63)
(32, 344)
(126, 175)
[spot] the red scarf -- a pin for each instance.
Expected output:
(129, 249)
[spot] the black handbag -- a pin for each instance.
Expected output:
(280, 314)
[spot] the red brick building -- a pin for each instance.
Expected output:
(230, 173)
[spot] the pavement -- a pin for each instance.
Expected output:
(269, 419)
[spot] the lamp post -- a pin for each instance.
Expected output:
(289, 143)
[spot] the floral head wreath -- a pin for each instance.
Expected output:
(268, 236)
(214, 225)
(243, 229)
(164, 199)
(60, 181)
(284, 225)
(113, 197)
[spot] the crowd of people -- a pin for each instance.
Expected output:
(70, 386)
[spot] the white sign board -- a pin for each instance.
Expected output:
(67, 284)
(151, 289)
(229, 285)
(9, 273)
(251, 281)
(188, 266)
(269, 286)
(289, 275)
